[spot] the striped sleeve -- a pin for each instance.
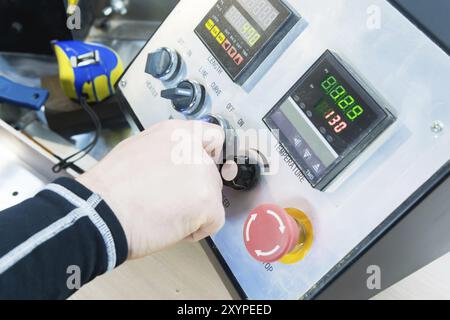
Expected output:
(57, 241)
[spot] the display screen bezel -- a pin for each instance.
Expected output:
(384, 119)
(252, 54)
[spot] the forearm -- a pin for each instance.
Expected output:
(48, 241)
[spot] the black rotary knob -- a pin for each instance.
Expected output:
(163, 64)
(187, 97)
(217, 120)
(241, 174)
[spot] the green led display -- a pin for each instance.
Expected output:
(343, 100)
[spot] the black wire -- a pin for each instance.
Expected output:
(70, 161)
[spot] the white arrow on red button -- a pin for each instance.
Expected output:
(269, 253)
(270, 233)
(247, 231)
(282, 226)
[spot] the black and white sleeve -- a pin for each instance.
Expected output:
(57, 241)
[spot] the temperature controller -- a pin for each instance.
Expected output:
(326, 120)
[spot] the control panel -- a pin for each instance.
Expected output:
(332, 124)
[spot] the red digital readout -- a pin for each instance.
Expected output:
(336, 121)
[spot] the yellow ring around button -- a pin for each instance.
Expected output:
(301, 250)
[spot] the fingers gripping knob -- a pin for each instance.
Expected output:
(241, 174)
(230, 170)
(272, 234)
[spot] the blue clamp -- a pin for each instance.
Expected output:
(23, 96)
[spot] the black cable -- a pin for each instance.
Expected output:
(69, 162)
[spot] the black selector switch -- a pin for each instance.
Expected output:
(212, 119)
(217, 120)
(241, 174)
(187, 97)
(163, 64)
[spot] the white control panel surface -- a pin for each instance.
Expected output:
(401, 64)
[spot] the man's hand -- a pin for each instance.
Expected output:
(163, 185)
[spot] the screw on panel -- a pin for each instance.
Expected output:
(437, 127)
(123, 83)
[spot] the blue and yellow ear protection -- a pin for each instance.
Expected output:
(87, 70)
(88, 73)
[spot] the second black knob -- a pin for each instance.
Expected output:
(187, 97)
(241, 174)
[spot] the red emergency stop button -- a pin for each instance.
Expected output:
(270, 233)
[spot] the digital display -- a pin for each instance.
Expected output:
(345, 101)
(242, 26)
(326, 120)
(339, 108)
(262, 11)
(241, 34)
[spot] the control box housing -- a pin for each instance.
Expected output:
(399, 67)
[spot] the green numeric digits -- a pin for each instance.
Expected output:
(329, 84)
(337, 93)
(347, 102)
(355, 112)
